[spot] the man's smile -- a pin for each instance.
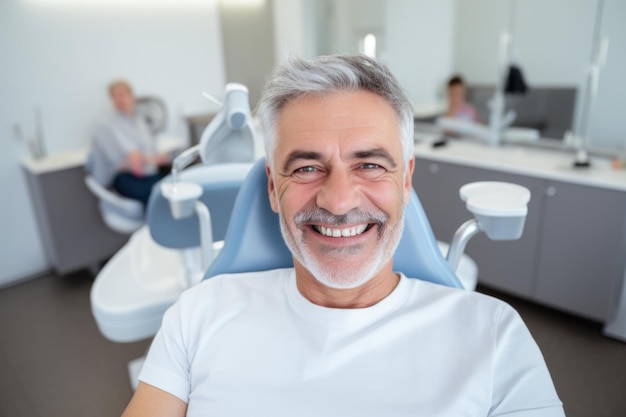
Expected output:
(341, 231)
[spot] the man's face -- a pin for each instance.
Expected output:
(123, 99)
(338, 182)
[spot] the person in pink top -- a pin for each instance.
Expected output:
(458, 107)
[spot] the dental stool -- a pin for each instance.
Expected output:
(254, 242)
(132, 291)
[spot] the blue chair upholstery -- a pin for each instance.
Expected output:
(254, 242)
(220, 185)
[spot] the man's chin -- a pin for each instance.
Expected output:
(342, 273)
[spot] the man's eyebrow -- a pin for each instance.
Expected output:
(298, 155)
(377, 153)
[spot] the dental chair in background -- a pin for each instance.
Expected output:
(132, 291)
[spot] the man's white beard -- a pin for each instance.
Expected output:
(333, 271)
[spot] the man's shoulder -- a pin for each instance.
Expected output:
(461, 298)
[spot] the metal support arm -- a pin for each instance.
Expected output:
(463, 234)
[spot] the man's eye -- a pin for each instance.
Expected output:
(307, 173)
(305, 170)
(370, 166)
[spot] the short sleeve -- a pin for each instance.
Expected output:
(167, 365)
(522, 386)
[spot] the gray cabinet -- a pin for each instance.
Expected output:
(581, 250)
(72, 232)
(571, 255)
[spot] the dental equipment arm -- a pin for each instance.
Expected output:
(233, 123)
(499, 210)
(222, 141)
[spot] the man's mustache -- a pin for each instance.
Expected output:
(354, 216)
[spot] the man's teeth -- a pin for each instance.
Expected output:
(346, 232)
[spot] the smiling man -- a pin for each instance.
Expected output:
(339, 184)
(341, 333)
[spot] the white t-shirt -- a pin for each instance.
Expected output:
(252, 345)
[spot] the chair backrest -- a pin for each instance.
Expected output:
(254, 242)
(154, 111)
(220, 185)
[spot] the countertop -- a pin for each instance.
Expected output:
(55, 162)
(526, 160)
(76, 158)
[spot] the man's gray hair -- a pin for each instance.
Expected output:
(297, 77)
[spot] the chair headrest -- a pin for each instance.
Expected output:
(154, 111)
(254, 242)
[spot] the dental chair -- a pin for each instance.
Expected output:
(135, 287)
(171, 252)
(132, 291)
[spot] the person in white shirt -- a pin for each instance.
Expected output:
(340, 333)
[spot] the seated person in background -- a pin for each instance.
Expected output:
(340, 333)
(458, 107)
(127, 157)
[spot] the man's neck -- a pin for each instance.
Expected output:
(366, 295)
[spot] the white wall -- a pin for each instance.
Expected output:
(59, 56)
(290, 28)
(419, 46)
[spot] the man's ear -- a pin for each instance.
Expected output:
(408, 180)
(271, 188)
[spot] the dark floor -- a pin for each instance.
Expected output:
(54, 362)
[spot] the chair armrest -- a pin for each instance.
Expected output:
(104, 194)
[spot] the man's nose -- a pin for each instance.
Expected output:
(339, 194)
